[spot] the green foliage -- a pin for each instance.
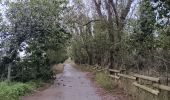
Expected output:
(144, 34)
(163, 8)
(165, 38)
(104, 81)
(91, 49)
(12, 91)
(140, 45)
(36, 28)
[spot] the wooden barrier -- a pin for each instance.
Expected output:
(153, 79)
(115, 71)
(100, 70)
(113, 76)
(155, 92)
(127, 76)
(162, 87)
(154, 87)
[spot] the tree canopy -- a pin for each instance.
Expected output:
(34, 28)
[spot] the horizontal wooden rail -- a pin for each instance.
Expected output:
(154, 84)
(127, 76)
(115, 71)
(155, 92)
(162, 87)
(100, 70)
(106, 69)
(113, 76)
(94, 68)
(153, 79)
(165, 79)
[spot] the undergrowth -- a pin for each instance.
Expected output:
(105, 81)
(13, 90)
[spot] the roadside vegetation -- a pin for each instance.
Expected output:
(105, 81)
(138, 42)
(32, 40)
(123, 34)
(14, 90)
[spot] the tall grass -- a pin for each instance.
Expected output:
(105, 81)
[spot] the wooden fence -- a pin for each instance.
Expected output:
(153, 85)
(155, 82)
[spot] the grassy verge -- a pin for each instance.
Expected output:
(13, 90)
(105, 81)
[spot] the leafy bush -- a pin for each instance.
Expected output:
(12, 91)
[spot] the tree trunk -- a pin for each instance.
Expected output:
(9, 72)
(111, 60)
(114, 31)
(90, 59)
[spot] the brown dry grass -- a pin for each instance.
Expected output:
(58, 68)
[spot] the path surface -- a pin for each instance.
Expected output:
(71, 85)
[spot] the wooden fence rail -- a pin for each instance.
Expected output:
(153, 79)
(149, 84)
(156, 92)
(127, 76)
(162, 87)
(154, 87)
(117, 74)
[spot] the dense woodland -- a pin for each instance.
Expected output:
(122, 34)
(119, 34)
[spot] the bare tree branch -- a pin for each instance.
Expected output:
(91, 22)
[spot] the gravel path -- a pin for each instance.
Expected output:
(70, 85)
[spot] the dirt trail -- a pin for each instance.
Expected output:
(70, 85)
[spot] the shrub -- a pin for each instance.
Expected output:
(12, 91)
